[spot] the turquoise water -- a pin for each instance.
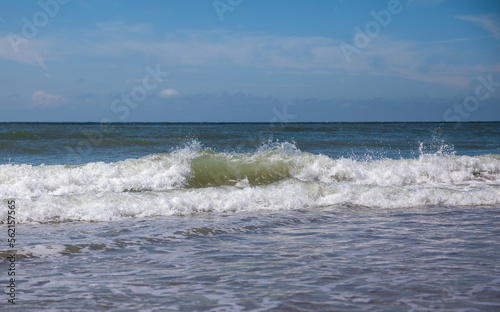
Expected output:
(253, 217)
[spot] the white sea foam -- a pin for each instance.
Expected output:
(41, 251)
(192, 180)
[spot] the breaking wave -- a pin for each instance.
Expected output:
(275, 177)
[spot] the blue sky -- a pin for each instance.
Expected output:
(242, 60)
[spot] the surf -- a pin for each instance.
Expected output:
(196, 179)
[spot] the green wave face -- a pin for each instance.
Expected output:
(211, 169)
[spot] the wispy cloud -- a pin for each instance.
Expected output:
(28, 54)
(42, 99)
(490, 22)
(309, 55)
(168, 93)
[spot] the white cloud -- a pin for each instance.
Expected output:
(308, 55)
(42, 99)
(16, 48)
(168, 93)
(490, 22)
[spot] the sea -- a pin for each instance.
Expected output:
(250, 216)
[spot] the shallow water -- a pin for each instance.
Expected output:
(333, 258)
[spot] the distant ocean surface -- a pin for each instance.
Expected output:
(252, 216)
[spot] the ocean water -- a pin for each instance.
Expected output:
(252, 217)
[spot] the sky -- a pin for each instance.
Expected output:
(249, 60)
